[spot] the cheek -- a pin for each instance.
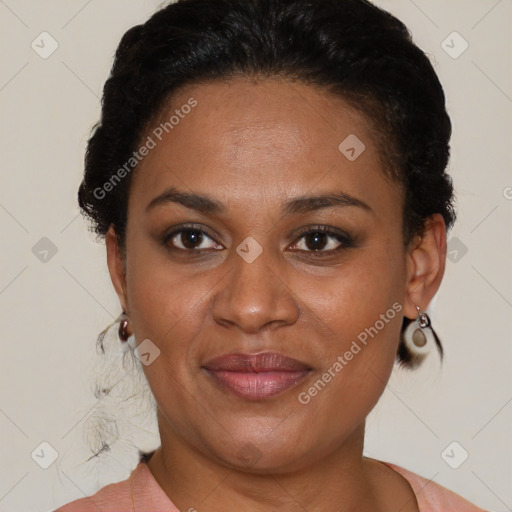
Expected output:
(170, 305)
(163, 297)
(361, 310)
(356, 367)
(168, 309)
(356, 294)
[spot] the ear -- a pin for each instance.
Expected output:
(116, 267)
(426, 260)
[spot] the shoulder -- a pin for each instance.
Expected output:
(139, 492)
(115, 497)
(432, 496)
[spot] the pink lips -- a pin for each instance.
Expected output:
(256, 376)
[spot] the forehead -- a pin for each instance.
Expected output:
(260, 142)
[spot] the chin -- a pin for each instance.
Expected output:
(266, 445)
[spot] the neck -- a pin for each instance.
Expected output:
(342, 481)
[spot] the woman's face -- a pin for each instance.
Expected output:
(248, 159)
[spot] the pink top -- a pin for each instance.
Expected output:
(141, 493)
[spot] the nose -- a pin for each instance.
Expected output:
(253, 296)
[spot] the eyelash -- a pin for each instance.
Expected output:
(346, 241)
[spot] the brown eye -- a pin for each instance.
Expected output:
(190, 239)
(315, 241)
(322, 240)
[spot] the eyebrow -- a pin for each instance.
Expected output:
(299, 205)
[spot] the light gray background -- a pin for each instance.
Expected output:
(52, 311)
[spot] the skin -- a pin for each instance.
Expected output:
(252, 146)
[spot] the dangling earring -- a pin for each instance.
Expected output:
(415, 340)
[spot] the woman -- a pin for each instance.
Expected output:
(269, 177)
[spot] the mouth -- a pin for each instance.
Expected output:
(256, 376)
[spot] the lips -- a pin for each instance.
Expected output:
(256, 376)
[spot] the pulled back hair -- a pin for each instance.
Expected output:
(351, 48)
